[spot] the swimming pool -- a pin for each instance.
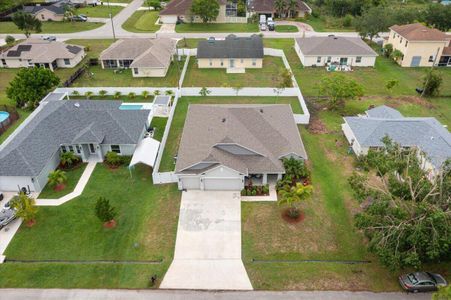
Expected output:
(3, 116)
(130, 107)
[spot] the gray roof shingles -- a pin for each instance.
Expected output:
(334, 45)
(232, 47)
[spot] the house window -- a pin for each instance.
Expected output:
(407, 42)
(116, 148)
(254, 61)
(222, 63)
(71, 148)
(358, 59)
(329, 59)
(78, 149)
(63, 149)
(431, 58)
(66, 61)
(210, 62)
(135, 71)
(109, 64)
(318, 59)
(400, 41)
(42, 16)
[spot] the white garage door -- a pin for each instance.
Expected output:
(168, 19)
(191, 183)
(222, 184)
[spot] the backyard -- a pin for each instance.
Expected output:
(142, 21)
(216, 27)
(268, 76)
(147, 222)
(53, 27)
(175, 133)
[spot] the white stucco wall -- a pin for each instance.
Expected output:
(150, 72)
(226, 63)
(11, 183)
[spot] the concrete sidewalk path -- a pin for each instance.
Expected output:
(208, 245)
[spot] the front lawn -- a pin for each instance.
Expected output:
(73, 176)
(175, 133)
(268, 76)
(216, 27)
(286, 28)
(147, 222)
(99, 11)
(53, 27)
(142, 21)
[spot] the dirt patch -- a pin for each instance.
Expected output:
(316, 126)
(286, 216)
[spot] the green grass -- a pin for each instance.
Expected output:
(286, 28)
(325, 24)
(142, 21)
(216, 27)
(99, 11)
(53, 27)
(175, 133)
(158, 124)
(268, 76)
(188, 43)
(72, 179)
(147, 223)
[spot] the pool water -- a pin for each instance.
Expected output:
(3, 116)
(130, 107)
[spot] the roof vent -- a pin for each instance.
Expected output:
(76, 104)
(261, 110)
(432, 138)
(223, 120)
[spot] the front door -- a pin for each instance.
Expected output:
(232, 63)
(343, 61)
(92, 149)
(415, 61)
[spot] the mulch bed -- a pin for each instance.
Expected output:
(59, 187)
(73, 167)
(110, 224)
(288, 219)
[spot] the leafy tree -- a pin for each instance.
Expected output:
(439, 16)
(397, 55)
(295, 168)
(390, 84)
(145, 94)
(207, 10)
(67, 159)
(57, 177)
(156, 4)
(204, 92)
(338, 88)
(69, 12)
(104, 211)
(373, 21)
(408, 222)
(432, 82)
(10, 40)
(30, 85)
(292, 195)
(26, 22)
(280, 7)
(388, 50)
(103, 93)
(285, 76)
(25, 207)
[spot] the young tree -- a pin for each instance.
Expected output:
(286, 81)
(57, 178)
(145, 94)
(25, 208)
(67, 159)
(204, 92)
(292, 195)
(103, 93)
(388, 50)
(26, 22)
(389, 85)
(408, 220)
(432, 82)
(117, 95)
(338, 88)
(207, 10)
(10, 40)
(88, 94)
(131, 95)
(157, 92)
(30, 85)
(104, 211)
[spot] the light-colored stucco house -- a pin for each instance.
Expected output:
(324, 50)
(267, 7)
(180, 10)
(223, 145)
(365, 132)
(146, 57)
(421, 46)
(233, 53)
(40, 53)
(88, 128)
(52, 12)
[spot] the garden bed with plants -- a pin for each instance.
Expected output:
(255, 190)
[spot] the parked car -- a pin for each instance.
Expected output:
(7, 216)
(271, 27)
(262, 19)
(79, 19)
(421, 282)
(212, 38)
(50, 38)
(263, 27)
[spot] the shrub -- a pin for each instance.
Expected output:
(57, 177)
(117, 95)
(243, 192)
(388, 50)
(68, 159)
(113, 159)
(249, 192)
(431, 83)
(25, 208)
(254, 192)
(131, 95)
(9, 39)
(266, 189)
(104, 211)
(102, 93)
(347, 21)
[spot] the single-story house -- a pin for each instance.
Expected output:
(52, 12)
(224, 145)
(89, 128)
(324, 50)
(267, 7)
(146, 57)
(41, 53)
(233, 53)
(421, 46)
(366, 131)
(180, 10)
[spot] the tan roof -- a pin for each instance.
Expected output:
(267, 130)
(419, 32)
(41, 51)
(150, 53)
(181, 7)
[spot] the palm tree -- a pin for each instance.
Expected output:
(156, 92)
(292, 6)
(57, 178)
(145, 94)
(291, 196)
(67, 159)
(117, 95)
(75, 93)
(280, 6)
(131, 95)
(25, 208)
(102, 93)
(88, 94)
(169, 93)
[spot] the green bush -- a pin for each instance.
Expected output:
(104, 211)
(243, 192)
(266, 189)
(254, 192)
(249, 193)
(113, 159)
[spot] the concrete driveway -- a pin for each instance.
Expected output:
(208, 244)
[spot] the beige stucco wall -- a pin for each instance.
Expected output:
(425, 49)
(23, 63)
(150, 72)
(45, 15)
(73, 61)
(238, 63)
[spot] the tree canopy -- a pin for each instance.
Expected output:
(26, 22)
(338, 88)
(207, 10)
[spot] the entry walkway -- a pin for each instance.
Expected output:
(208, 246)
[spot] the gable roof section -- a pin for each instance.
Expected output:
(384, 112)
(334, 45)
(268, 130)
(419, 32)
(57, 9)
(181, 7)
(61, 122)
(232, 47)
(425, 133)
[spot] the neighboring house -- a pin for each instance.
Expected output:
(365, 132)
(421, 46)
(180, 10)
(52, 12)
(40, 53)
(323, 50)
(224, 145)
(233, 53)
(77, 2)
(88, 128)
(146, 57)
(267, 7)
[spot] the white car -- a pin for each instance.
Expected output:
(263, 27)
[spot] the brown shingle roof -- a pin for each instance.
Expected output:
(268, 130)
(419, 32)
(181, 7)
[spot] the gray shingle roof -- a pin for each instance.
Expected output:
(232, 47)
(384, 112)
(61, 122)
(269, 130)
(57, 9)
(334, 45)
(425, 133)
